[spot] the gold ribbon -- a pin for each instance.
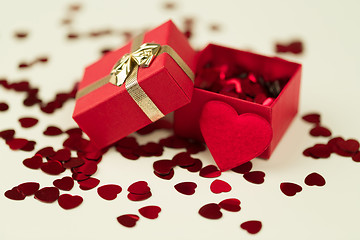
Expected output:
(126, 69)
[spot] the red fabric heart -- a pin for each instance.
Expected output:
(233, 139)
(219, 186)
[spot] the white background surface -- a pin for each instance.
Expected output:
(330, 85)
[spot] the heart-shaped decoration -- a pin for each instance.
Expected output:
(140, 187)
(47, 194)
(290, 189)
(230, 204)
(109, 191)
(351, 145)
(256, 177)
(252, 227)
(128, 220)
(231, 138)
(65, 183)
(220, 186)
(52, 167)
(187, 188)
(28, 188)
(14, 194)
(210, 211)
(315, 179)
(34, 162)
(67, 201)
(151, 212)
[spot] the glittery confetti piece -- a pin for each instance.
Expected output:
(256, 177)
(356, 157)
(351, 145)
(65, 183)
(89, 183)
(29, 188)
(183, 159)
(128, 220)
(61, 155)
(320, 131)
(7, 134)
(34, 162)
(210, 171)
(73, 163)
(67, 201)
(312, 118)
(196, 167)
(14, 194)
(168, 176)
(219, 186)
(47, 194)
(163, 167)
(230, 204)
(46, 152)
(315, 179)
(52, 131)
(187, 188)
(109, 191)
(150, 212)
(89, 168)
(252, 227)
(210, 211)
(243, 168)
(52, 167)
(16, 143)
(140, 187)
(290, 189)
(139, 197)
(3, 106)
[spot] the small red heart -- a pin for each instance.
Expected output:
(151, 212)
(67, 201)
(315, 179)
(29, 188)
(350, 145)
(243, 168)
(65, 183)
(231, 204)
(109, 192)
(210, 171)
(187, 188)
(128, 220)
(34, 162)
(16, 143)
(290, 189)
(28, 122)
(256, 177)
(220, 186)
(14, 194)
(252, 227)
(52, 167)
(47, 194)
(312, 118)
(231, 138)
(89, 183)
(139, 197)
(320, 131)
(140, 187)
(210, 211)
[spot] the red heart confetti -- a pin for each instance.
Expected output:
(30, 146)
(320, 131)
(163, 166)
(65, 183)
(243, 168)
(61, 155)
(47, 194)
(334, 147)
(295, 47)
(3, 106)
(28, 122)
(210, 211)
(231, 204)
(139, 197)
(168, 176)
(73, 163)
(52, 131)
(140, 187)
(29, 188)
(7, 134)
(196, 167)
(128, 220)
(89, 183)
(315, 179)
(79, 176)
(220, 186)
(14, 194)
(252, 227)
(351, 145)
(16, 143)
(187, 188)
(67, 201)
(52, 167)
(290, 189)
(356, 157)
(210, 171)
(89, 168)
(46, 152)
(109, 191)
(183, 159)
(318, 151)
(150, 212)
(256, 177)
(312, 118)
(34, 162)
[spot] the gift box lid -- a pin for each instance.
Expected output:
(135, 85)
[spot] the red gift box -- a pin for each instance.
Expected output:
(279, 114)
(107, 109)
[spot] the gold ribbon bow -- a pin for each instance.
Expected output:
(126, 69)
(141, 57)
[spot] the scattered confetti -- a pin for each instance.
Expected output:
(34, 162)
(3, 107)
(150, 212)
(65, 183)
(252, 227)
(28, 188)
(243, 168)
(14, 194)
(220, 186)
(47, 194)
(109, 191)
(187, 188)
(67, 201)
(210, 171)
(290, 189)
(315, 179)
(28, 122)
(231, 204)
(128, 220)
(210, 211)
(256, 177)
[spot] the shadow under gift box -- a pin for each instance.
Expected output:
(279, 114)
(109, 113)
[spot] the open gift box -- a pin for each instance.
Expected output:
(135, 85)
(278, 104)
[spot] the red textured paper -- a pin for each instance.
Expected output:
(279, 114)
(241, 139)
(164, 82)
